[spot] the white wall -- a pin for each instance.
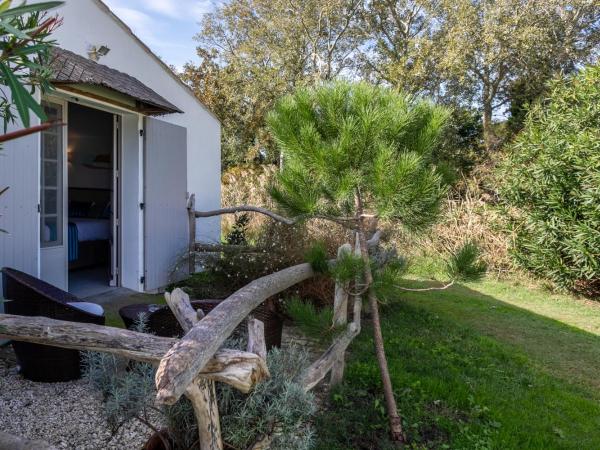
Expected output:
(20, 171)
(86, 23)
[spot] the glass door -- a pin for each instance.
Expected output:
(53, 251)
(51, 183)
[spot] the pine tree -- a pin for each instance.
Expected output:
(356, 154)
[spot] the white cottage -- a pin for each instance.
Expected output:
(102, 201)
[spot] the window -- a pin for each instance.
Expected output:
(51, 194)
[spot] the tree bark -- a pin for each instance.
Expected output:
(489, 137)
(388, 392)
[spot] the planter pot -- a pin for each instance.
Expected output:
(155, 442)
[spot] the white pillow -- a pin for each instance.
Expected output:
(91, 308)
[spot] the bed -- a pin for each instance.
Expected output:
(89, 228)
(85, 229)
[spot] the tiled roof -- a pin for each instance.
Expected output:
(70, 68)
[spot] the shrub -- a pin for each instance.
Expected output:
(551, 184)
(278, 404)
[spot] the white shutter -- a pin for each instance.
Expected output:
(165, 203)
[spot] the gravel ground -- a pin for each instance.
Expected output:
(67, 415)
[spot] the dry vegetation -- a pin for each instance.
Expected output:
(469, 213)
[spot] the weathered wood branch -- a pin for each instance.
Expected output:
(201, 393)
(334, 356)
(227, 248)
(345, 221)
(340, 318)
(319, 369)
(249, 208)
(179, 303)
(191, 207)
(189, 355)
(375, 239)
(240, 369)
(256, 338)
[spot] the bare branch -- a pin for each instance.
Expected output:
(287, 220)
(440, 288)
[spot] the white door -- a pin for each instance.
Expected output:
(165, 203)
(115, 256)
(53, 194)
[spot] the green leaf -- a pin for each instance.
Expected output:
(19, 94)
(9, 28)
(25, 9)
(5, 5)
(466, 265)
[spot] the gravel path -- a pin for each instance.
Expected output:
(67, 415)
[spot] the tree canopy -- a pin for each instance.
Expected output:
(489, 56)
(342, 139)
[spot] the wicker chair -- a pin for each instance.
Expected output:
(161, 321)
(30, 296)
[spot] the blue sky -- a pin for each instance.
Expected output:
(166, 26)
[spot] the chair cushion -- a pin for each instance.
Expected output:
(91, 308)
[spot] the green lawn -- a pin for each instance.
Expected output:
(484, 365)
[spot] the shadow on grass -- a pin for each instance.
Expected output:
(470, 371)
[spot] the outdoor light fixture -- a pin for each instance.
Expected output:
(95, 52)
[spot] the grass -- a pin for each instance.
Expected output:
(493, 364)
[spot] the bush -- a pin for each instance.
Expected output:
(277, 405)
(551, 184)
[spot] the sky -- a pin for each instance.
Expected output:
(166, 26)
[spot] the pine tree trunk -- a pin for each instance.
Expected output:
(388, 391)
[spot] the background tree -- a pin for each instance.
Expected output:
(400, 48)
(254, 51)
(551, 182)
(485, 46)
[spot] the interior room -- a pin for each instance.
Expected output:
(90, 193)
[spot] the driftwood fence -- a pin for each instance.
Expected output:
(190, 366)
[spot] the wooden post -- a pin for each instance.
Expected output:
(340, 318)
(191, 207)
(256, 338)
(200, 392)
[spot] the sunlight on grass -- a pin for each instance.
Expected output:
(491, 364)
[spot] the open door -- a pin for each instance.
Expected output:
(165, 203)
(116, 204)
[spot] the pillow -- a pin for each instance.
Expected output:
(91, 308)
(79, 209)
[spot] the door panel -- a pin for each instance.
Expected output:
(53, 232)
(165, 203)
(115, 244)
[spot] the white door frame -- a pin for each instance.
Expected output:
(64, 98)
